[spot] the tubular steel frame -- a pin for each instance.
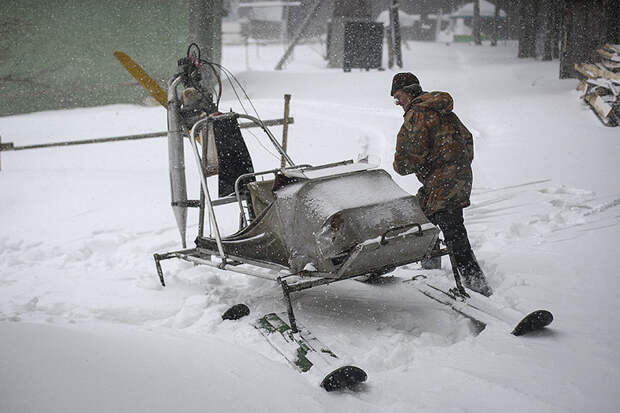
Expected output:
(289, 282)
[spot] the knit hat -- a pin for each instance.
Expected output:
(402, 80)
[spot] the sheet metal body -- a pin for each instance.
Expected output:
(342, 224)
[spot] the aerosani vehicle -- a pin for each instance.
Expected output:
(298, 225)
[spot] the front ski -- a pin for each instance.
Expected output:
(307, 354)
(479, 309)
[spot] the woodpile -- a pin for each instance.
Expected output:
(600, 84)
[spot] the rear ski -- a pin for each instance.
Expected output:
(479, 309)
(307, 354)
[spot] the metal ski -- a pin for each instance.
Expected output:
(478, 308)
(307, 354)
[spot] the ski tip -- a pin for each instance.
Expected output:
(532, 322)
(344, 378)
(236, 312)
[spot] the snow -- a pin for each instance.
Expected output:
(487, 9)
(86, 326)
(404, 19)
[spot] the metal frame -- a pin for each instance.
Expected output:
(289, 282)
(243, 221)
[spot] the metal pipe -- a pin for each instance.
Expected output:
(278, 270)
(329, 165)
(274, 141)
(159, 271)
(9, 146)
(210, 138)
(201, 212)
(176, 159)
(238, 192)
(198, 260)
(287, 102)
(203, 180)
(289, 306)
(315, 282)
(89, 141)
(271, 171)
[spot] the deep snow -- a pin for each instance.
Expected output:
(86, 327)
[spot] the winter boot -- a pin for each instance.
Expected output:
(478, 284)
(473, 277)
(474, 280)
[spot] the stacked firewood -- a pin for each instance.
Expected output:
(600, 84)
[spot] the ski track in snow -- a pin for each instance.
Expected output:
(539, 210)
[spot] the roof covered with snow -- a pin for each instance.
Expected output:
(404, 19)
(487, 9)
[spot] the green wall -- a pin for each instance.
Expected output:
(58, 54)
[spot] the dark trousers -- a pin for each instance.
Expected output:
(455, 235)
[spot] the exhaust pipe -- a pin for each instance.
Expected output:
(176, 159)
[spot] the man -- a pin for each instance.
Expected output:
(434, 145)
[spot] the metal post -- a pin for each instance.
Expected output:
(396, 36)
(203, 180)
(209, 209)
(247, 53)
(159, 271)
(0, 153)
(390, 44)
(287, 101)
(438, 24)
(289, 306)
(201, 214)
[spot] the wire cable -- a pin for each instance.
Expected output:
(230, 77)
(197, 61)
(240, 86)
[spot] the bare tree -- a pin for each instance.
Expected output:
(557, 25)
(495, 32)
(527, 28)
(476, 23)
(586, 25)
(548, 16)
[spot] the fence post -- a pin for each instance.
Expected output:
(287, 101)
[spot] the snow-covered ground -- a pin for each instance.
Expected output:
(85, 325)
